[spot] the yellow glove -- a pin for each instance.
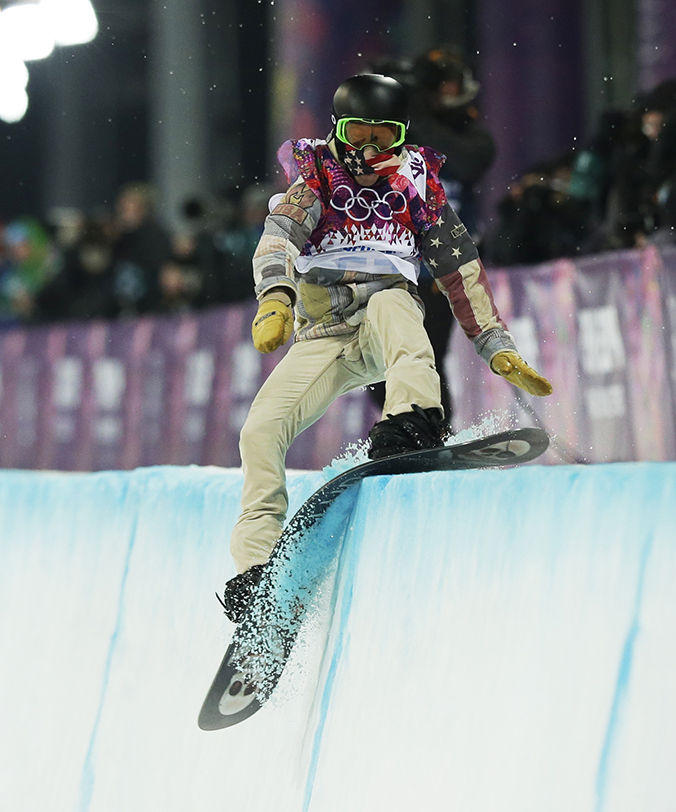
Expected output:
(273, 323)
(512, 367)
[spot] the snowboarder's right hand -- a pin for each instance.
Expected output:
(512, 367)
(273, 323)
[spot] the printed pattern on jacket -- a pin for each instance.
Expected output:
(313, 235)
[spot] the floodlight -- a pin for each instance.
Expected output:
(24, 32)
(29, 30)
(13, 72)
(13, 103)
(72, 22)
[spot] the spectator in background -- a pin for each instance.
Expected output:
(442, 95)
(659, 127)
(66, 225)
(4, 269)
(444, 114)
(141, 249)
(629, 214)
(235, 247)
(181, 278)
(226, 231)
(627, 171)
(538, 220)
(616, 193)
(84, 287)
(592, 175)
(29, 261)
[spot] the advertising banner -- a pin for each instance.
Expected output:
(176, 390)
(602, 329)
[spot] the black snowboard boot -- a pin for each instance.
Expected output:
(239, 591)
(409, 431)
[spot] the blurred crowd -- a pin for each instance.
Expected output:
(617, 191)
(444, 115)
(124, 263)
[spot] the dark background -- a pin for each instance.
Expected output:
(195, 95)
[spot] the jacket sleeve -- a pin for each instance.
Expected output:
(452, 258)
(287, 229)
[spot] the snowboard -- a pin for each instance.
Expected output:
(262, 642)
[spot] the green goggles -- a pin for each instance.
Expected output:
(360, 132)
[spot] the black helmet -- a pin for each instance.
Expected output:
(371, 96)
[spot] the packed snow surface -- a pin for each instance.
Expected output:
(488, 641)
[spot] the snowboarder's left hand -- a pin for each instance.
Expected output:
(513, 368)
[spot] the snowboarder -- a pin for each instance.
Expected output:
(343, 248)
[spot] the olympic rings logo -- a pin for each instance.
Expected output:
(367, 201)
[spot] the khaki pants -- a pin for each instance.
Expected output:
(390, 344)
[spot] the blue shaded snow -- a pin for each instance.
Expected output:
(487, 640)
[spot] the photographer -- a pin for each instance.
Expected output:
(442, 94)
(658, 124)
(444, 115)
(539, 219)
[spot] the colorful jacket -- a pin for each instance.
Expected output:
(332, 244)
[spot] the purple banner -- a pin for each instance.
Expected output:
(152, 391)
(176, 390)
(603, 329)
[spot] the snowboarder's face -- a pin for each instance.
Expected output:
(359, 133)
